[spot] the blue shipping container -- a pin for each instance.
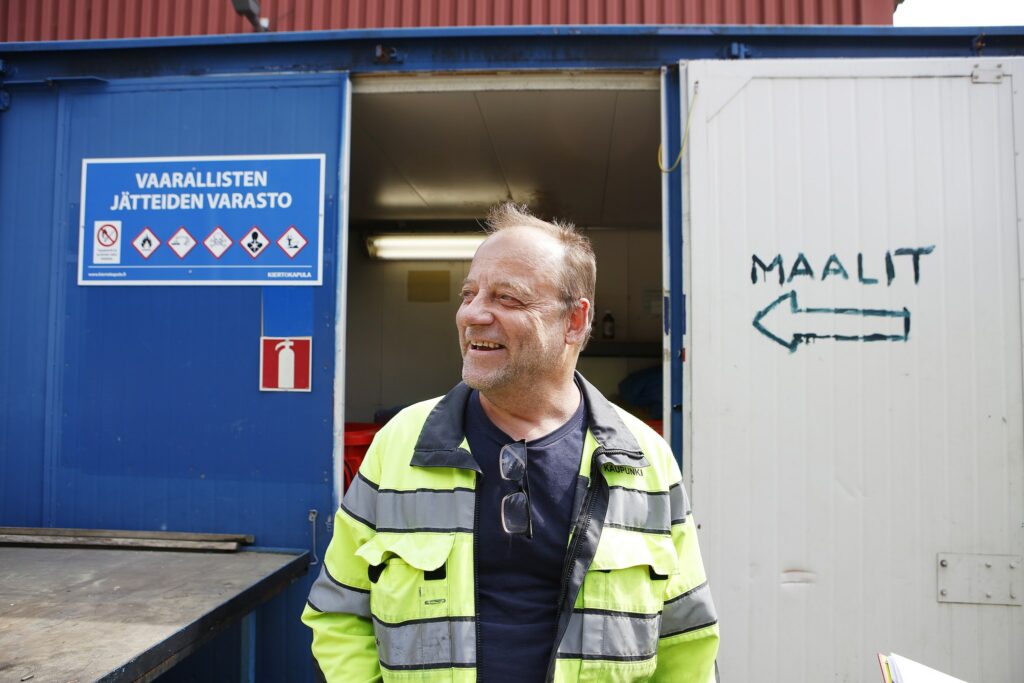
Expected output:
(137, 407)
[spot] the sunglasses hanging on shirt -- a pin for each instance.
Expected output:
(515, 507)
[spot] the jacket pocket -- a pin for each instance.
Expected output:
(411, 579)
(629, 571)
(410, 602)
(623, 596)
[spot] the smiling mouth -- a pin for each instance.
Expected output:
(485, 346)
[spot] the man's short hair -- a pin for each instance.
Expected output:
(578, 278)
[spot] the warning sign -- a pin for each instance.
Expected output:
(182, 242)
(239, 208)
(106, 246)
(255, 242)
(291, 242)
(146, 243)
(286, 363)
(217, 242)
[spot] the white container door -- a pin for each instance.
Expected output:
(853, 374)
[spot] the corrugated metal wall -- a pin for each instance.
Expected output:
(22, 20)
(137, 407)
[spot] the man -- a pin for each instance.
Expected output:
(520, 528)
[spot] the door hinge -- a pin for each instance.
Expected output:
(980, 579)
(981, 74)
(312, 524)
(387, 54)
(739, 51)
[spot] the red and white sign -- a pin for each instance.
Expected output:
(217, 242)
(292, 241)
(286, 363)
(106, 245)
(181, 242)
(146, 243)
(255, 241)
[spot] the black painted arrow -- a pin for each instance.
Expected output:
(807, 316)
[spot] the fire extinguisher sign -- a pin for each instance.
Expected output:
(286, 363)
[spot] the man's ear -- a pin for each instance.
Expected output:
(577, 328)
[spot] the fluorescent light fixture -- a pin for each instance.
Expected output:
(424, 247)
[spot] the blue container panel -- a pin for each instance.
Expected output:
(162, 425)
(29, 143)
(138, 407)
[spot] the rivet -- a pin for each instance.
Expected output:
(988, 564)
(1013, 565)
(943, 563)
(988, 595)
(942, 592)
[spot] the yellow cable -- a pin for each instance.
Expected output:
(686, 134)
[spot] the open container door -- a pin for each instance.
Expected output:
(158, 420)
(854, 432)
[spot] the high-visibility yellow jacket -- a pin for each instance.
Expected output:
(396, 596)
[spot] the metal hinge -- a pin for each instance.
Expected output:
(738, 51)
(982, 74)
(312, 524)
(981, 579)
(387, 54)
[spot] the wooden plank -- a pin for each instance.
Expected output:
(243, 539)
(111, 615)
(100, 541)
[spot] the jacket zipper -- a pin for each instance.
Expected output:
(574, 550)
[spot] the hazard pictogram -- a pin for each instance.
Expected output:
(106, 245)
(107, 235)
(217, 242)
(292, 241)
(255, 241)
(182, 242)
(146, 243)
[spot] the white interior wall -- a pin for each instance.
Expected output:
(628, 275)
(400, 352)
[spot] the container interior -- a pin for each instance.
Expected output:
(431, 155)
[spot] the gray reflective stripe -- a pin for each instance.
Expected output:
(426, 643)
(330, 595)
(690, 611)
(604, 634)
(680, 503)
(425, 510)
(417, 510)
(360, 501)
(639, 510)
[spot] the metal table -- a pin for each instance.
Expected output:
(85, 614)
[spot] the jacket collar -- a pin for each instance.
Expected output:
(441, 439)
(441, 442)
(618, 446)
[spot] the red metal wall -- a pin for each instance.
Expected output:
(81, 19)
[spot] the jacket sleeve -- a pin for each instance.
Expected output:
(338, 608)
(688, 643)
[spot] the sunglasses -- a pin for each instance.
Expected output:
(515, 507)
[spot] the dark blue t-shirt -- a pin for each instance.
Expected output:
(519, 579)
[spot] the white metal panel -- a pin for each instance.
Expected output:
(829, 478)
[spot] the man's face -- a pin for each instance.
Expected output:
(511, 324)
